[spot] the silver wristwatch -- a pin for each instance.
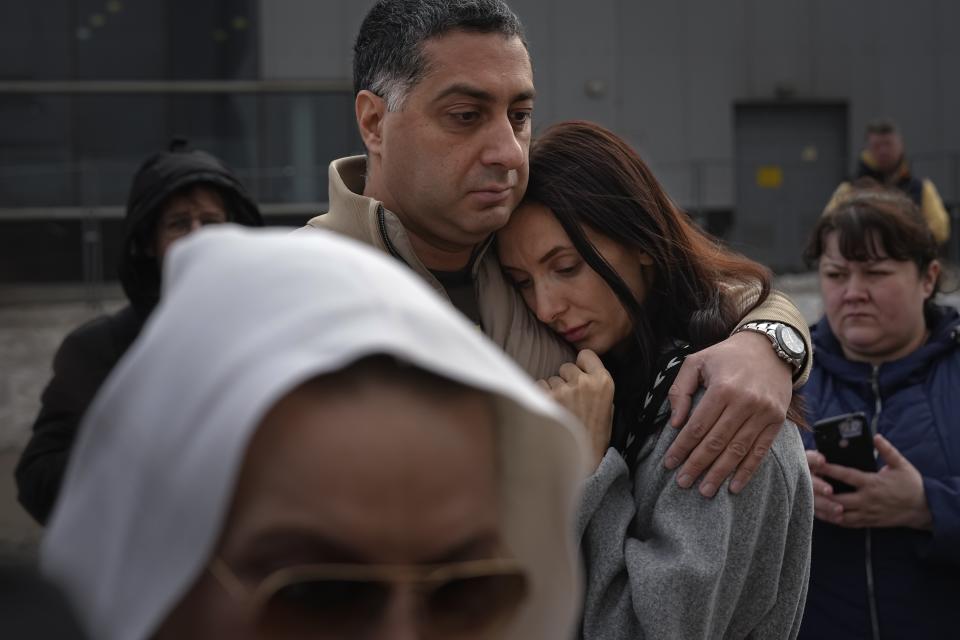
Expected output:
(787, 343)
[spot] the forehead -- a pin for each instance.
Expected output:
(532, 229)
(869, 245)
(490, 62)
(377, 469)
(883, 138)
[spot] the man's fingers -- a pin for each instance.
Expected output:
(693, 432)
(713, 444)
(543, 385)
(758, 450)
(681, 393)
(722, 467)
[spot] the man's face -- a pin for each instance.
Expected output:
(374, 474)
(453, 162)
(886, 149)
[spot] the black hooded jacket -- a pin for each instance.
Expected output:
(89, 353)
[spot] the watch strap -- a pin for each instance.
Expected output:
(769, 329)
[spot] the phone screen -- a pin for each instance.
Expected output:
(846, 440)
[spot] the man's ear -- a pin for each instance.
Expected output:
(370, 110)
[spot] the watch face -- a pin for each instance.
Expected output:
(791, 340)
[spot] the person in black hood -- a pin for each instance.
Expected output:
(173, 193)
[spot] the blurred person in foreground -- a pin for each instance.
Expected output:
(330, 451)
(884, 160)
(602, 256)
(886, 556)
(444, 100)
(173, 193)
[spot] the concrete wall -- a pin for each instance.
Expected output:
(666, 73)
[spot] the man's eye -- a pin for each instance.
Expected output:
(521, 117)
(466, 117)
(179, 224)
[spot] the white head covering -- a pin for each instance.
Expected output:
(246, 316)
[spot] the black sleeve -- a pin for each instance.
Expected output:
(80, 366)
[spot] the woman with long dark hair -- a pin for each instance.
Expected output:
(602, 256)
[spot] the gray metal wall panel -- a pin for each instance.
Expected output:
(309, 39)
(539, 21)
(673, 69)
(779, 39)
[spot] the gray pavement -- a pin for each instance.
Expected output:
(30, 332)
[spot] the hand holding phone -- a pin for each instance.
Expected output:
(846, 440)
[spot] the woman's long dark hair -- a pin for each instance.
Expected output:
(589, 177)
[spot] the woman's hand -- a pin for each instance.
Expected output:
(891, 497)
(585, 389)
(824, 507)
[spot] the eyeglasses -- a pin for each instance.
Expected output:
(469, 599)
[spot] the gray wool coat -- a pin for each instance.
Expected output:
(665, 562)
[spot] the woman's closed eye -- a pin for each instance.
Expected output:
(520, 283)
(569, 270)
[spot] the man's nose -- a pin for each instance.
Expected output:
(503, 147)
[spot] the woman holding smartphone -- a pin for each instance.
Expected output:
(886, 555)
(601, 255)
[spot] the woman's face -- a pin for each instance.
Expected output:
(560, 287)
(874, 308)
(377, 476)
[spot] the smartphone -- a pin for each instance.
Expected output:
(846, 440)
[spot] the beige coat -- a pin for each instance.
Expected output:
(504, 316)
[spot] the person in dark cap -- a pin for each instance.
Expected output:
(173, 193)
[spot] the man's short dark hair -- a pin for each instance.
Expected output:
(388, 54)
(881, 127)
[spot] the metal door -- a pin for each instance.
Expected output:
(788, 159)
